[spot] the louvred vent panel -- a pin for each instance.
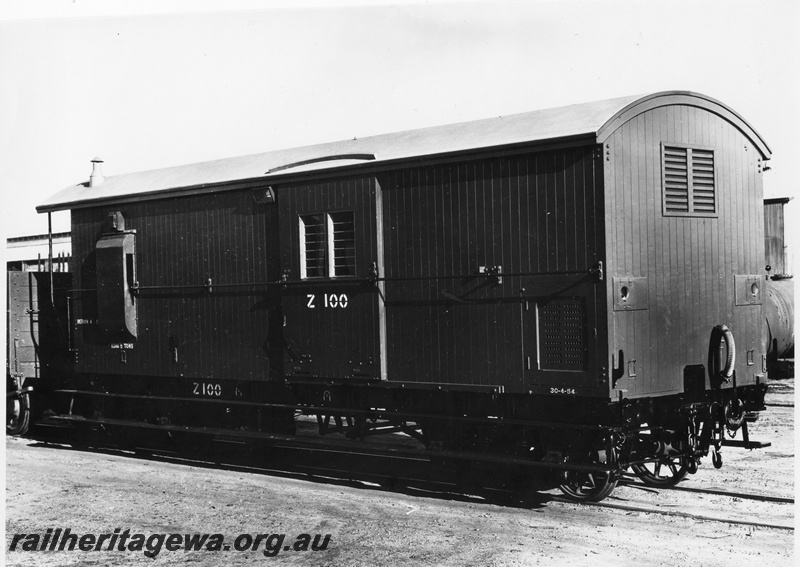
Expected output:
(562, 332)
(676, 180)
(689, 181)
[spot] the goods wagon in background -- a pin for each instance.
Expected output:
(36, 346)
(569, 292)
(780, 291)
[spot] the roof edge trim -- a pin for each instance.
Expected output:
(777, 200)
(687, 98)
(289, 176)
(186, 191)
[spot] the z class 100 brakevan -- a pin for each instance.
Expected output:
(562, 294)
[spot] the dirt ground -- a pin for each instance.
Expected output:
(53, 486)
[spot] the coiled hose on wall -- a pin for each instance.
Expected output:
(720, 334)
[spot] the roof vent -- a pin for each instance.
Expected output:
(97, 173)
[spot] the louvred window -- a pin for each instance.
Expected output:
(689, 181)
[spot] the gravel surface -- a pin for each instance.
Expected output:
(95, 492)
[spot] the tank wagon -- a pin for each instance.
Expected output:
(573, 291)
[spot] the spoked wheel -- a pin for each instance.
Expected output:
(18, 415)
(666, 471)
(588, 486)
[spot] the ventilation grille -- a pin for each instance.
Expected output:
(312, 233)
(703, 198)
(328, 245)
(562, 332)
(689, 183)
(343, 232)
(676, 180)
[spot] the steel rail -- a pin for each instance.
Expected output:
(632, 480)
(742, 495)
(164, 455)
(675, 513)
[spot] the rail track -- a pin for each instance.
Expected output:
(404, 471)
(741, 495)
(688, 515)
(727, 498)
(509, 498)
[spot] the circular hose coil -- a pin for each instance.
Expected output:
(719, 334)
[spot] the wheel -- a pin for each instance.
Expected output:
(18, 414)
(588, 486)
(583, 486)
(716, 459)
(666, 471)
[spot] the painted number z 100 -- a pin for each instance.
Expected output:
(206, 389)
(328, 301)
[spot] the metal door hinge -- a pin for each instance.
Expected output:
(597, 270)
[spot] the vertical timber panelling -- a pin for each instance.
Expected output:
(531, 214)
(774, 237)
(180, 245)
(331, 342)
(689, 261)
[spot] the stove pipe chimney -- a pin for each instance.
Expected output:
(97, 173)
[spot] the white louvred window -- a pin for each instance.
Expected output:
(689, 181)
(342, 244)
(327, 245)
(703, 193)
(312, 249)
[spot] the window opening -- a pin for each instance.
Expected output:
(689, 181)
(328, 245)
(342, 242)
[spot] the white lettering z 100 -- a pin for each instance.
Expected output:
(203, 389)
(329, 300)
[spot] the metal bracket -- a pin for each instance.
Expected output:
(745, 443)
(492, 272)
(597, 270)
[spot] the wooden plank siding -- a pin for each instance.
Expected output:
(537, 215)
(36, 337)
(184, 242)
(689, 262)
(774, 239)
(544, 211)
(331, 341)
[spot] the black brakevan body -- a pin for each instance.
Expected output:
(579, 263)
(598, 266)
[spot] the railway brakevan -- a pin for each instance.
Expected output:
(570, 292)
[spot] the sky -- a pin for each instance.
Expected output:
(149, 84)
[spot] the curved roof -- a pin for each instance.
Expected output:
(588, 120)
(682, 98)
